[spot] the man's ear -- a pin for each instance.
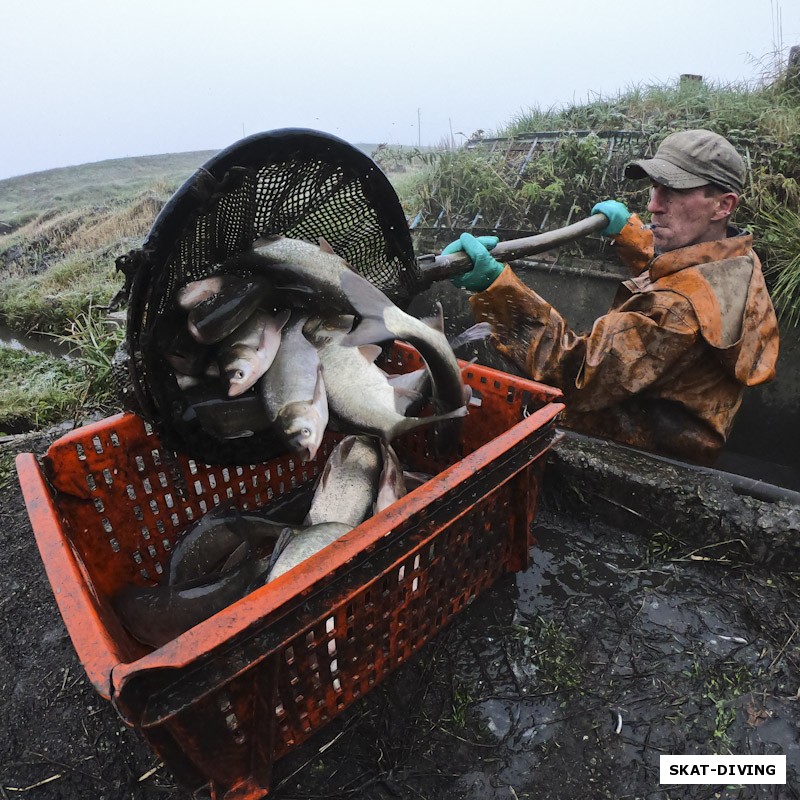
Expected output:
(726, 205)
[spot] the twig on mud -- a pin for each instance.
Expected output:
(24, 789)
(150, 772)
(462, 739)
(318, 753)
(634, 512)
(692, 555)
(61, 764)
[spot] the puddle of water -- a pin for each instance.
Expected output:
(46, 345)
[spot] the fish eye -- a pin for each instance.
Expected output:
(305, 432)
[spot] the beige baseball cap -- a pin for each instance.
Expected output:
(688, 159)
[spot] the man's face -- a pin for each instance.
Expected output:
(682, 217)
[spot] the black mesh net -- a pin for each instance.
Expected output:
(299, 183)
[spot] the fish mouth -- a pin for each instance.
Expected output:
(303, 446)
(308, 453)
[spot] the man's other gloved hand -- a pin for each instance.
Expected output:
(617, 214)
(485, 269)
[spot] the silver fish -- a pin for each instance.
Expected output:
(347, 488)
(221, 313)
(293, 391)
(247, 353)
(314, 271)
(157, 614)
(359, 394)
(295, 546)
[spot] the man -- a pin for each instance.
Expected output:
(665, 368)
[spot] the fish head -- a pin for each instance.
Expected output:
(240, 374)
(302, 427)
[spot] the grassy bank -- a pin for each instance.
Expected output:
(38, 390)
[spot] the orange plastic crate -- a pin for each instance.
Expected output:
(220, 703)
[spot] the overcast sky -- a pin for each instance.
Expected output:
(88, 80)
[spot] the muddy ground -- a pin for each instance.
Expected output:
(568, 680)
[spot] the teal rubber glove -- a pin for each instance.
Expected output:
(485, 269)
(617, 214)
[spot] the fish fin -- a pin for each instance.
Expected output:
(325, 246)
(391, 484)
(370, 351)
(481, 330)
(436, 320)
(410, 423)
(299, 291)
(287, 534)
(368, 331)
(404, 398)
(237, 524)
(236, 557)
(320, 398)
(415, 478)
(409, 380)
(467, 394)
(266, 239)
(297, 295)
(345, 446)
(281, 318)
(370, 303)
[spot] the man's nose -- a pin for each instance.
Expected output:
(657, 202)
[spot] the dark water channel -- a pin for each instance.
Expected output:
(47, 345)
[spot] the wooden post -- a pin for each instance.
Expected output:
(687, 79)
(793, 68)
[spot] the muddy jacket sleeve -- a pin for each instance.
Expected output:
(628, 349)
(634, 245)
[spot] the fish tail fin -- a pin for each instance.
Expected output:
(410, 423)
(478, 331)
(370, 303)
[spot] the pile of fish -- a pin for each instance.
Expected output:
(285, 337)
(228, 553)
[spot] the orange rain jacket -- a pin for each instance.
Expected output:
(664, 369)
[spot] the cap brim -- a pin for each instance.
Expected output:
(665, 173)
